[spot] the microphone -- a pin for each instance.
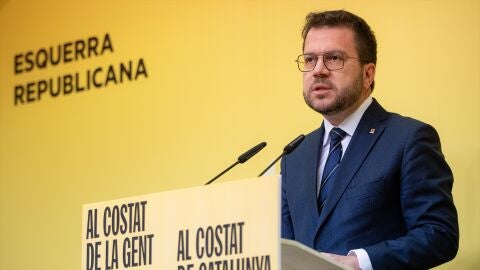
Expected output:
(286, 150)
(241, 159)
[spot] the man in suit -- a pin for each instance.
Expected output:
(369, 187)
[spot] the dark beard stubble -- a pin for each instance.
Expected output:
(343, 101)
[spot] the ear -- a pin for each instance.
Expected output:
(368, 75)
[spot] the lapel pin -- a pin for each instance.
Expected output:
(372, 131)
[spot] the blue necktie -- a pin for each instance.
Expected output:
(333, 160)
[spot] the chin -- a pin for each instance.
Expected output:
(321, 103)
(322, 108)
(325, 106)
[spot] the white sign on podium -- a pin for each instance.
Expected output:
(226, 226)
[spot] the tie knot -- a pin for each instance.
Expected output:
(336, 135)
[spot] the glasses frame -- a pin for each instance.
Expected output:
(323, 60)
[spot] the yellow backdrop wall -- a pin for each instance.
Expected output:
(218, 77)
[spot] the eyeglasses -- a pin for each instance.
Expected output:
(331, 60)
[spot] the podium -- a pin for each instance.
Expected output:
(226, 226)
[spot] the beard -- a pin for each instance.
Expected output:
(344, 98)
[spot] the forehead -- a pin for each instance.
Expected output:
(323, 39)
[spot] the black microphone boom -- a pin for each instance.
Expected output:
(286, 150)
(252, 152)
(293, 144)
(241, 159)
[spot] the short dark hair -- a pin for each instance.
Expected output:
(365, 41)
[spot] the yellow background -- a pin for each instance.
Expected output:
(221, 79)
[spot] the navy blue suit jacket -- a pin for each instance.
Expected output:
(392, 195)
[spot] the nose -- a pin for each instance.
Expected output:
(320, 69)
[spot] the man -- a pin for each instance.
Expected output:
(369, 187)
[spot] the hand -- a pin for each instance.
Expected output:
(350, 260)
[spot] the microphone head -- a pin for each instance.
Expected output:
(252, 152)
(292, 145)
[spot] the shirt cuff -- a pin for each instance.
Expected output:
(363, 259)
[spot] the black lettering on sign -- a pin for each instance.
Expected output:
(30, 92)
(67, 51)
(124, 218)
(17, 63)
(41, 58)
(79, 49)
(92, 224)
(78, 82)
(137, 251)
(110, 76)
(226, 239)
(141, 69)
(93, 255)
(67, 84)
(183, 246)
(199, 249)
(42, 88)
(29, 60)
(62, 53)
(236, 241)
(19, 93)
(111, 262)
(107, 44)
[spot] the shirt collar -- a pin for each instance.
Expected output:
(350, 123)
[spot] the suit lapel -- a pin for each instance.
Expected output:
(366, 134)
(312, 154)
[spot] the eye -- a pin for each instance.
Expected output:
(309, 59)
(333, 57)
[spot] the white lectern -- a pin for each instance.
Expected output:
(225, 226)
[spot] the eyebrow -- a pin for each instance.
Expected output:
(325, 52)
